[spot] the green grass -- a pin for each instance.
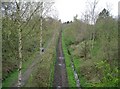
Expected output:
(81, 63)
(77, 62)
(52, 72)
(83, 81)
(43, 73)
(88, 74)
(70, 74)
(53, 66)
(96, 47)
(14, 76)
(29, 81)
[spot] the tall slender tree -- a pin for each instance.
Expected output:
(45, 8)
(20, 45)
(41, 27)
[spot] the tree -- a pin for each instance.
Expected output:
(103, 14)
(20, 45)
(22, 21)
(91, 11)
(93, 17)
(20, 28)
(75, 17)
(44, 9)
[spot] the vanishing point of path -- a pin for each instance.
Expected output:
(60, 74)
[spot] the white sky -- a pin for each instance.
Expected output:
(67, 9)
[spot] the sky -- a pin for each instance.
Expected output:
(67, 9)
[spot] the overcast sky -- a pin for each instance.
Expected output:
(69, 8)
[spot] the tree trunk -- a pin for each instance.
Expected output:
(40, 34)
(20, 58)
(85, 52)
(41, 27)
(19, 46)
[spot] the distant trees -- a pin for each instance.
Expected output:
(75, 17)
(90, 14)
(103, 14)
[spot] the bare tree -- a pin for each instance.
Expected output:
(24, 12)
(92, 17)
(44, 10)
(41, 12)
(91, 7)
(41, 8)
(20, 44)
(109, 7)
(20, 28)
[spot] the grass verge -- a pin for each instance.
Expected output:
(70, 74)
(53, 66)
(14, 75)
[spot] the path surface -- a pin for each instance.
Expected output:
(29, 70)
(60, 74)
(27, 73)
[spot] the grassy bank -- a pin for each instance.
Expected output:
(14, 75)
(70, 74)
(52, 66)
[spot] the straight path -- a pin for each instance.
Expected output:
(60, 74)
(27, 73)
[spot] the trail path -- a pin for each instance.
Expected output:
(60, 75)
(27, 73)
